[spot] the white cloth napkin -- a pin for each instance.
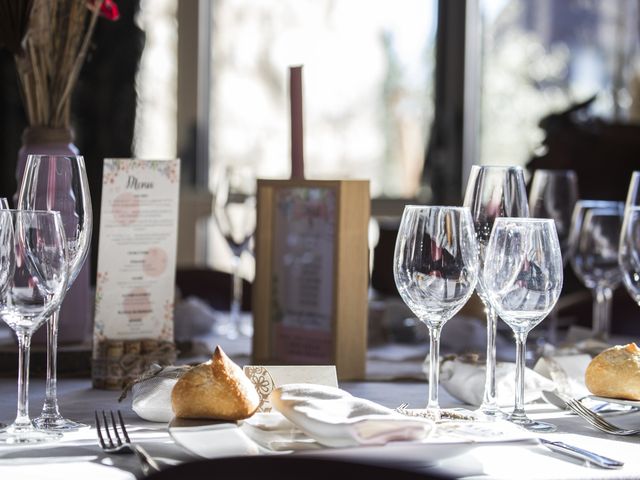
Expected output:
(464, 380)
(152, 394)
(335, 418)
(566, 372)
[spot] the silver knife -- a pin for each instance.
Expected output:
(580, 453)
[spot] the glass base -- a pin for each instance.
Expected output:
(534, 426)
(21, 435)
(57, 423)
(490, 412)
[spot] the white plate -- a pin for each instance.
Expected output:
(621, 401)
(210, 439)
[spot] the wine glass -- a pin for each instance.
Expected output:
(523, 278)
(492, 192)
(595, 236)
(629, 248)
(53, 182)
(33, 281)
(4, 203)
(554, 194)
(435, 268)
(235, 214)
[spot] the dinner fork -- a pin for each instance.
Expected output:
(595, 419)
(122, 444)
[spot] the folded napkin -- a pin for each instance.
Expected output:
(274, 432)
(335, 418)
(464, 379)
(152, 393)
(566, 372)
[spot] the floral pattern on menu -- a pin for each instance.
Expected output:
(114, 169)
(102, 279)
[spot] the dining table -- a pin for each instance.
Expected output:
(78, 454)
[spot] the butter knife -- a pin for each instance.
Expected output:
(581, 454)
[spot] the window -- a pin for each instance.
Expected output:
(540, 56)
(367, 86)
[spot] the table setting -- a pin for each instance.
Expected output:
(557, 422)
(489, 398)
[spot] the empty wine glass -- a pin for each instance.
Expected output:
(492, 192)
(235, 214)
(629, 248)
(33, 280)
(554, 194)
(595, 236)
(435, 268)
(59, 183)
(523, 279)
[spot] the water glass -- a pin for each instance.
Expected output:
(629, 248)
(435, 268)
(523, 279)
(235, 214)
(33, 280)
(553, 194)
(59, 183)
(493, 192)
(594, 237)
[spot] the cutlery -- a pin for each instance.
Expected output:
(581, 454)
(590, 416)
(122, 445)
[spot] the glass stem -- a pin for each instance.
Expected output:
(434, 366)
(518, 414)
(236, 291)
(489, 401)
(24, 348)
(602, 312)
(50, 407)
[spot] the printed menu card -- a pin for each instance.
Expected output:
(137, 250)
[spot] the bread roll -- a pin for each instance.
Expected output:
(615, 373)
(217, 389)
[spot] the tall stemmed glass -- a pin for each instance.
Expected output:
(235, 214)
(33, 280)
(435, 267)
(523, 279)
(595, 237)
(492, 192)
(553, 194)
(629, 249)
(59, 183)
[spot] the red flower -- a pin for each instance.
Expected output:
(108, 9)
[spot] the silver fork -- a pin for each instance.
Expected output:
(121, 445)
(597, 420)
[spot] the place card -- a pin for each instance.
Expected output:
(266, 378)
(310, 288)
(136, 267)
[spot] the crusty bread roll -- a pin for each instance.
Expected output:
(615, 373)
(217, 389)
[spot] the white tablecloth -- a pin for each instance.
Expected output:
(78, 455)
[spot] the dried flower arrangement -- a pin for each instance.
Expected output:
(50, 40)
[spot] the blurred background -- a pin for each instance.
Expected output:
(406, 93)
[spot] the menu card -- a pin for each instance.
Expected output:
(303, 273)
(137, 250)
